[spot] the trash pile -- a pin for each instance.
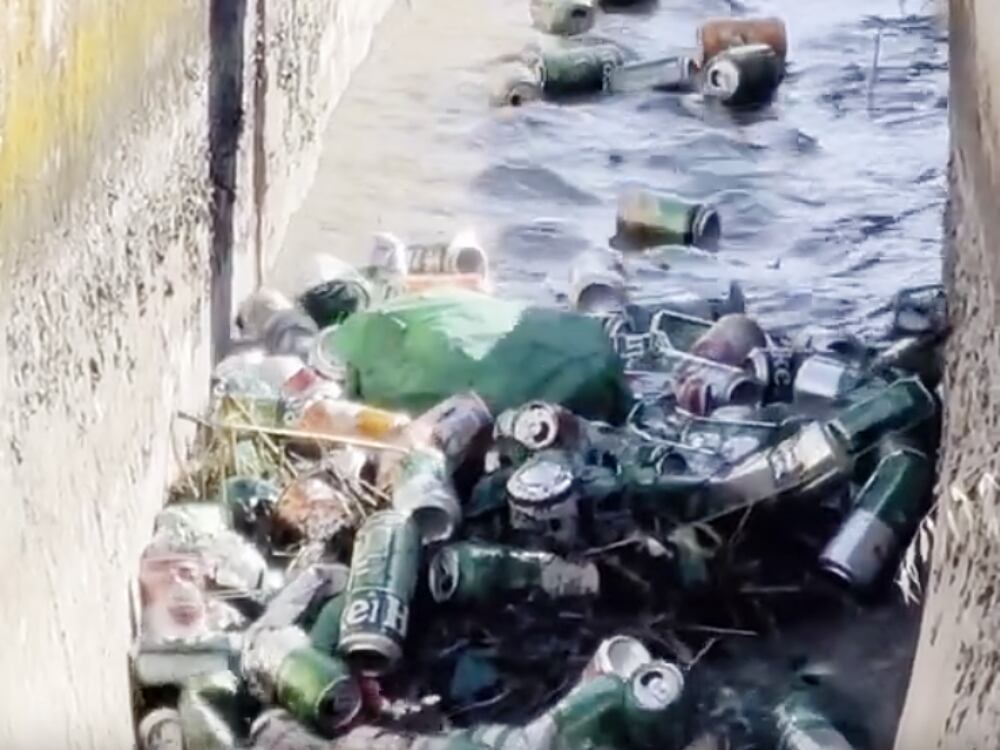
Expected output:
(422, 516)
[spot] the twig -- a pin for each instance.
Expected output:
(272, 446)
(718, 631)
(702, 651)
(873, 76)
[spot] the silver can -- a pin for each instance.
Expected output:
(161, 729)
(543, 498)
(620, 655)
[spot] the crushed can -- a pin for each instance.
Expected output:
(316, 583)
(175, 661)
(590, 715)
(476, 573)
(887, 512)
(383, 579)
(654, 714)
(904, 404)
(280, 665)
(543, 498)
(743, 76)
(276, 729)
(578, 70)
(423, 489)
(160, 729)
(563, 17)
(716, 35)
(620, 655)
(920, 310)
(648, 219)
(821, 378)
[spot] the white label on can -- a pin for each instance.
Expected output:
(378, 609)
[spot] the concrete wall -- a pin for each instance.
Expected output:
(954, 696)
(150, 154)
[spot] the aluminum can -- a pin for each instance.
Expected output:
(620, 655)
(161, 729)
(563, 17)
(591, 715)
(388, 254)
(678, 330)
(325, 631)
(463, 254)
(207, 707)
(597, 284)
(672, 73)
(579, 70)
(383, 579)
(719, 34)
(801, 725)
(423, 490)
(312, 508)
(539, 425)
(886, 514)
(543, 498)
(316, 583)
(276, 729)
(743, 76)
(654, 714)
(453, 426)
(648, 219)
(474, 573)
(822, 378)
(902, 405)
(775, 367)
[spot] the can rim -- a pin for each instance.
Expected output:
(444, 574)
(532, 418)
(656, 685)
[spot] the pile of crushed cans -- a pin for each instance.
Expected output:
(331, 574)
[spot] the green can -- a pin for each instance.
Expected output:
(579, 70)
(591, 715)
(209, 712)
(801, 725)
(886, 515)
(383, 579)
(318, 689)
(654, 712)
(423, 489)
(904, 404)
(473, 573)
(647, 219)
(325, 631)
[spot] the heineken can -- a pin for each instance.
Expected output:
(886, 515)
(719, 34)
(563, 17)
(578, 70)
(620, 655)
(280, 665)
(654, 713)
(543, 498)
(161, 729)
(801, 725)
(423, 490)
(383, 579)
(902, 405)
(742, 76)
(276, 729)
(591, 715)
(474, 573)
(648, 219)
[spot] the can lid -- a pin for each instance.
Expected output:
(539, 480)
(536, 425)
(444, 574)
(656, 685)
(722, 78)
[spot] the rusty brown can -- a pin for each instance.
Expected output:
(719, 34)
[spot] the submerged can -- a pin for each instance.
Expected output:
(544, 499)
(383, 580)
(470, 572)
(161, 729)
(620, 655)
(886, 515)
(743, 76)
(903, 404)
(719, 34)
(423, 489)
(563, 17)
(649, 219)
(579, 70)
(653, 710)
(801, 725)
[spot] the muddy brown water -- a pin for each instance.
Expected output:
(831, 198)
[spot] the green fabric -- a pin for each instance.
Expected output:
(412, 352)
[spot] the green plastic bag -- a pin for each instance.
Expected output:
(413, 352)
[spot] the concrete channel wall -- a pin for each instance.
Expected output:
(151, 152)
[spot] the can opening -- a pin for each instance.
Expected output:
(624, 655)
(339, 705)
(707, 230)
(370, 662)
(745, 392)
(580, 12)
(435, 524)
(656, 686)
(443, 575)
(599, 298)
(470, 260)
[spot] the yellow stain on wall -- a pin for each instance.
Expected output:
(51, 98)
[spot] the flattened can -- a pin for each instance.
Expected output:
(743, 76)
(470, 572)
(719, 34)
(383, 579)
(580, 70)
(654, 712)
(544, 499)
(648, 219)
(886, 515)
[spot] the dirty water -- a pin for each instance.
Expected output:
(831, 198)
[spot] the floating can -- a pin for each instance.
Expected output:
(280, 665)
(903, 404)
(653, 709)
(544, 499)
(801, 725)
(920, 310)
(742, 76)
(579, 70)
(678, 330)
(886, 515)
(673, 73)
(470, 572)
(161, 729)
(563, 17)
(620, 655)
(776, 367)
(464, 254)
(383, 579)
(597, 284)
(719, 34)
(648, 219)
(423, 489)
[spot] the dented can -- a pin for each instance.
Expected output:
(742, 76)
(719, 34)
(647, 219)
(654, 712)
(383, 579)
(470, 572)
(579, 70)
(590, 715)
(886, 514)
(563, 17)
(544, 499)
(423, 489)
